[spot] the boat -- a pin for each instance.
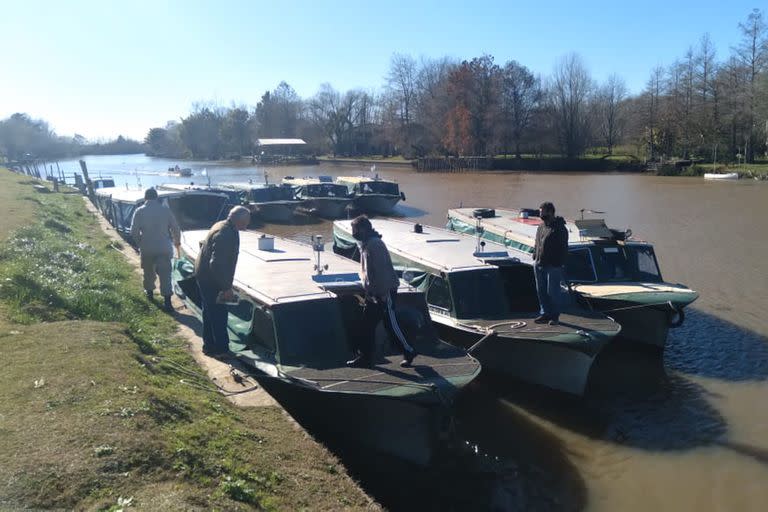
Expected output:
(270, 202)
(372, 194)
(320, 196)
(610, 270)
(484, 300)
(291, 326)
(235, 197)
(721, 175)
(193, 209)
(180, 171)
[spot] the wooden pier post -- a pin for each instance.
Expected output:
(88, 183)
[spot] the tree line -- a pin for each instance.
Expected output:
(699, 107)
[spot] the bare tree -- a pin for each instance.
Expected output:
(570, 90)
(609, 101)
(753, 55)
(521, 95)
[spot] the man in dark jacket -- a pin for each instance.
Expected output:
(549, 254)
(215, 272)
(380, 283)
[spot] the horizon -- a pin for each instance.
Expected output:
(121, 71)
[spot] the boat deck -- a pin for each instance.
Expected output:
(569, 327)
(426, 372)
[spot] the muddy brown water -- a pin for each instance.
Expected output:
(688, 430)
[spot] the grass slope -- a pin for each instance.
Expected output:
(102, 408)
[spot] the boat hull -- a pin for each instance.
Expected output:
(723, 176)
(405, 429)
(276, 212)
(326, 207)
(381, 204)
(552, 365)
(639, 325)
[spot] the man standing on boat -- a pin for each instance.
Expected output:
(549, 254)
(215, 272)
(380, 283)
(155, 231)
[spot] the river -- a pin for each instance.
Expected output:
(682, 432)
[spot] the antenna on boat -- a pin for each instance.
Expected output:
(318, 247)
(589, 211)
(479, 230)
(266, 178)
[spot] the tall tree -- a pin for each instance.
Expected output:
(609, 104)
(753, 54)
(570, 91)
(521, 95)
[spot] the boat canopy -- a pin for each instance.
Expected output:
(366, 185)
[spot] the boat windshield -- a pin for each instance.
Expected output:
(197, 211)
(326, 190)
(378, 187)
(478, 294)
(265, 194)
(625, 263)
(319, 340)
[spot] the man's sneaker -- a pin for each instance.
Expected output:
(359, 362)
(554, 321)
(408, 359)
(542, 319)
(167, 304)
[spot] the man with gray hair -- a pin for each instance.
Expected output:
(155, 231)
(215, 272)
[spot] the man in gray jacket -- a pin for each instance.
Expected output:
(380, 283)
(155, 231)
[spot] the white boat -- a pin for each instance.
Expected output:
(293, 326)
(483, 299)
(611, 271)
(721, 175)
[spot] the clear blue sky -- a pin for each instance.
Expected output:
(103, 68)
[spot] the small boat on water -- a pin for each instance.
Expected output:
(372, 194)
(721, 175)
(482, 299)
(270, 202)
(320, 196)
(609, 270)
(296, 314)
(193, 209)
(180, 171)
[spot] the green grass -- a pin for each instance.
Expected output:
(100, 402)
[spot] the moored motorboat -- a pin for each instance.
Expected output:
(721, 175)
(193, 209)
(182, 172)
(609, 270)
(270, 202)
(372, 194)
(320, 196)
(293, 325)
(235, 197)
(484, 300)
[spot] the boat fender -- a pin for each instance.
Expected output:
(402, 196)
(677, 317)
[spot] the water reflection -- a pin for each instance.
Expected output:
(709, 346)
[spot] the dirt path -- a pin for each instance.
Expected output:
(219, 372)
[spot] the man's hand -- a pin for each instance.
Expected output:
(228, 295)
(178, 251)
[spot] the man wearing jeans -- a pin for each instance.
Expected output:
(549, 254)
(215, 272)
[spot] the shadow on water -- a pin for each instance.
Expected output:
(630, 400)
(404, 211)
(708, 346)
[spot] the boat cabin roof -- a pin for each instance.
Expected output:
(436, 248)
(512, 224)
(137, 195)
(284, 273)
(362, 179)
(322, 180)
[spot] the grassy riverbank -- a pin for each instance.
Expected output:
(754, 171)
(101, 404)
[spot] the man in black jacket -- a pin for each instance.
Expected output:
(549, 254)
(215, 272)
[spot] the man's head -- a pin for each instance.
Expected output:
(150, 194)
(361, 228)
(240, 217)
(547, 211)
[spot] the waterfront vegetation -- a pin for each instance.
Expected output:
(101, 404)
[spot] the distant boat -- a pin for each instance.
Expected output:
(372, 194)
(270, 202)
(293, 326)
(179, 171)
(721, 175)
